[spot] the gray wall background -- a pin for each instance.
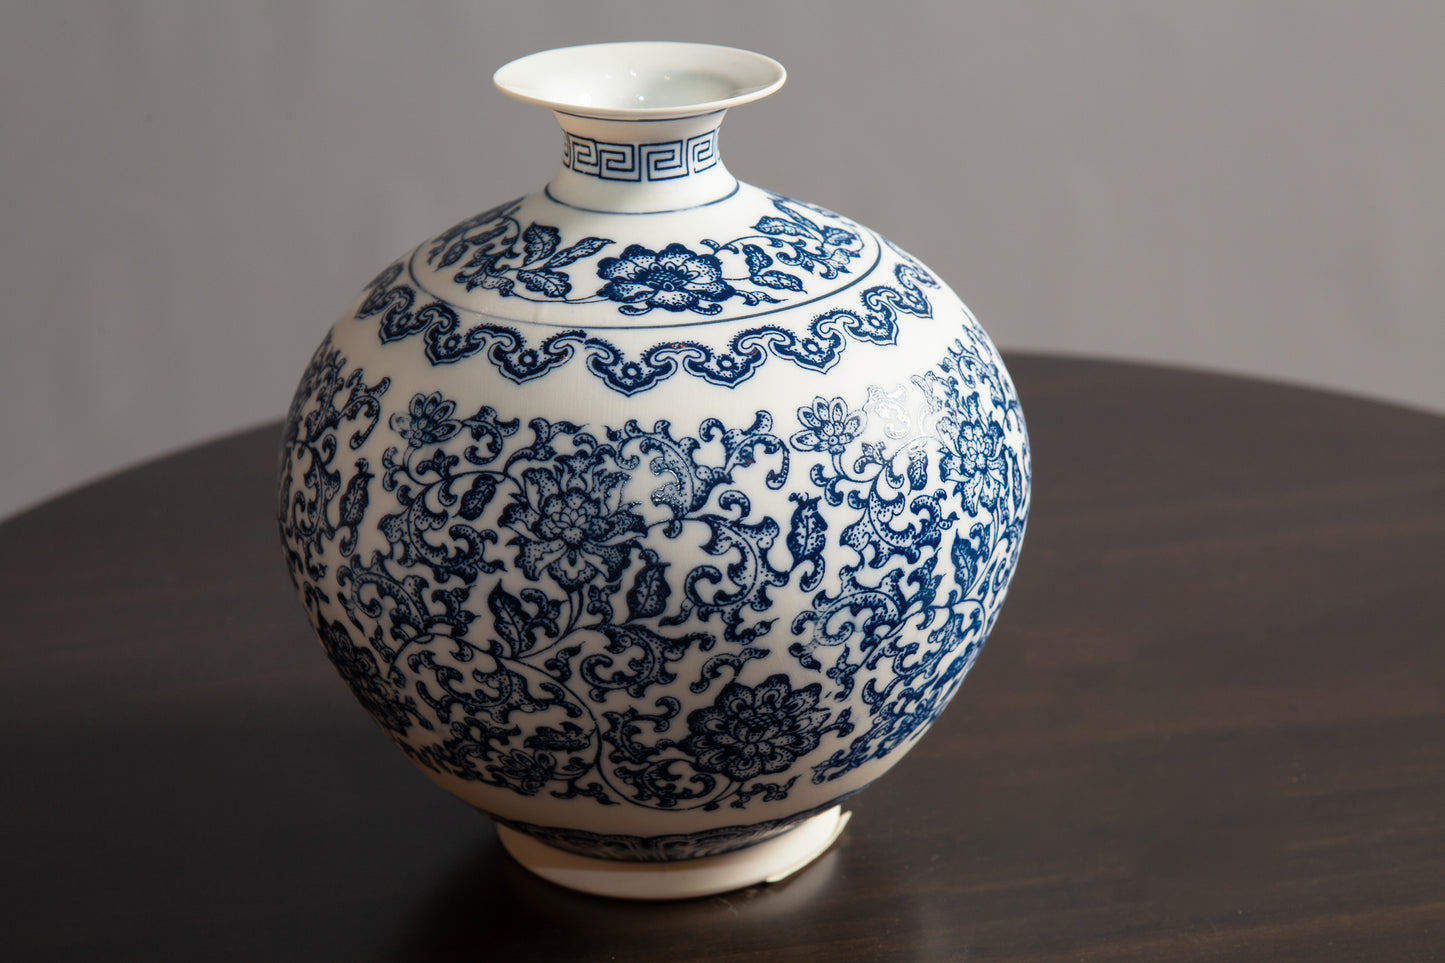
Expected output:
(192, 191)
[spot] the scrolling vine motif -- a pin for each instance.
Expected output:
(510, 612)
(494, 251)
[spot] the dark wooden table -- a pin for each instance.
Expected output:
(1209, 725)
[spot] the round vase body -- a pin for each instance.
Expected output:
(653, 513)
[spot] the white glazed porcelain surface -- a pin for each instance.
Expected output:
(652, 513)
(770, 861)
(640, 81)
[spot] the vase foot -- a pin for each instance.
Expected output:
(769, 861)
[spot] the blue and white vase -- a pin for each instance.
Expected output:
(654, 514)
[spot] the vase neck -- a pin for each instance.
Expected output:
(640, 119)
(640, 166)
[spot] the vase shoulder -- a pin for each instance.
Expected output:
(539, 260)
(759, 284)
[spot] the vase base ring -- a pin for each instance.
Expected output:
(769, 861)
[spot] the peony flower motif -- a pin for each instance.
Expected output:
(978, 456)
(828, 426)
(570, 522)
(675, 280)
(750, 732)
(428, 421)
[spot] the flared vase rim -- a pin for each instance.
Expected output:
(640, 80)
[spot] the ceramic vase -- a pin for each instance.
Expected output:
(654, 514)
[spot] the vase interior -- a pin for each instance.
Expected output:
(656, 80)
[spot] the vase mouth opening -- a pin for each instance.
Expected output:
(646, 80)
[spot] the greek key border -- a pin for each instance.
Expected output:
(668, 160)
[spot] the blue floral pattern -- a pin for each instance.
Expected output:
(494, 251)
(505, 583)
(818, 347)
(428, 421)
(756, 731)
(828, 426)
(674, 279)
(571, 523)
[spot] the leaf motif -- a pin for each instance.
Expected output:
(514, 624)
(806, 536)
(778, 280)
(1016, 479)
(649, 593)
(550, 283)
(459, 246)
(475, 501)
(917, 468)
(586, 247)
(803, 219)
(510, 621)
(757, 259)
(806, 540)
(491, 282)
(482, 243)
(964, 555)
(778, 226)
(452, 254)
(480, 263)
(540, 240)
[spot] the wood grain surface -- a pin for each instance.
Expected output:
(1209, 725)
